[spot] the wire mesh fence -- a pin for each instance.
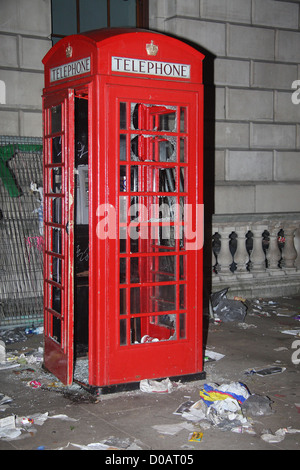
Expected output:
(21, 231)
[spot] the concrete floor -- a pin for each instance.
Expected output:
(126, 420)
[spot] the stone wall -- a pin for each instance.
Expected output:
(254, 46)
(25, 28)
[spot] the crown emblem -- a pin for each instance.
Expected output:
(69, 51)
(152, 49)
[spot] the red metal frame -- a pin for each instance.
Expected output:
(136, 289)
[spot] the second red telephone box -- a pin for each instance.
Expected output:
(123, 207)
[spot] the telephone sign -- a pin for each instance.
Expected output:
(150, 67)
(71, 70)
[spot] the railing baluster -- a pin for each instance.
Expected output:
(289, 251)
(274, 254)
(258, 266)
(225, 257)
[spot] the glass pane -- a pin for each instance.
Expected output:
(153, 148)
(56, 210)
(182, 174)
(152, 299)
(165, 268)
(183, 156)
(167, 147)
(151, 222)
(134, 269)
(168, 320)
(181, 237)
(64, 17)
(55, 299)
(165, 298)
(167, 180)
(151, 208)
(145, 330)
(56, 329)
(153, 269)
(122, 147)
(55, 180)
(134, 242)
(182, 296)
(123, 200)
(123, 236)
(134, 111)
(123, 115)
(123, 309)
(136, 209)
(159, 179)
(93, 14)
(153, 117)
(167, 208)
(134, 148)
(167, 121)
(56, 119)
(135, 295)
(123, 181)
(56, 240)
(81, 132)
(122, 270)
(123, 335)
(56, 150)
(55, 270)
(134, 178)
(123, 13)
(135, 330)
(182, 268)
(182, 326)
(182, 119)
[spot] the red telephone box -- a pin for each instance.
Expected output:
(123, 207)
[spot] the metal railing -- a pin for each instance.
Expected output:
(21, 235)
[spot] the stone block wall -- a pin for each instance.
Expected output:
(25, 28)
(255, 49)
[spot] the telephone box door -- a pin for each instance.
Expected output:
(155, 309)
(58, 217)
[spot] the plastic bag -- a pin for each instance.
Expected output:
(257, 405)
(212, 393)
(226, 309)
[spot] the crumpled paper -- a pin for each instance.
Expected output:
(155, 386)
(278, 436)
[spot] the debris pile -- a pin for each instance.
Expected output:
(223, 406)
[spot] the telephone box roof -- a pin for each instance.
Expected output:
(102, 44)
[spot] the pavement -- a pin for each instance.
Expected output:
(54, 417)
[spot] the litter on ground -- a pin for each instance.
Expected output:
(228, 407)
